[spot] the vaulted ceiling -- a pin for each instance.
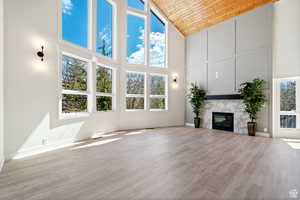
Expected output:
(190, 16)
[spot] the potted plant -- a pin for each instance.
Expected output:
(196, 98)
(254, 99)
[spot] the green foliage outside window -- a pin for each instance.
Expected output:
(74, 74)
(74, 103)
(157, 103)
(104, 80)
(104, 103)
(288, 95)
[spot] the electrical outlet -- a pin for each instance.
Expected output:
(44, 141)
(217, 75)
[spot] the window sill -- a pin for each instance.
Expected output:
(74, 116)
(158, 110)
(135, 110)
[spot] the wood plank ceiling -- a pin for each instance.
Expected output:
(190, 16)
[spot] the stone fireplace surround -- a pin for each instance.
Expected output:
(234, 106)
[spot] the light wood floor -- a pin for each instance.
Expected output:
(168, 163)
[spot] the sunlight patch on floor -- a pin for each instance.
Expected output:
(294, 143)
(136, 132)
(102, 142)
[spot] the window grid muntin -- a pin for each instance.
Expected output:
(136, 95)
(86, 92)
(165, 96)
(102, 94)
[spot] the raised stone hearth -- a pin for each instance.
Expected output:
(229, 106)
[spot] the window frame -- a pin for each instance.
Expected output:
(143, 15)
(165, 21)
(87, 93)
(90, 28)
(166, 96)
(137, 10)
(91, 33)
(147, 15)
(114, 31)
(136, 95)
(101, 94)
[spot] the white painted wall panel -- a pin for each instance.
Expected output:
(1, 83)
(221, 77)
(286, 39)
(221, 41)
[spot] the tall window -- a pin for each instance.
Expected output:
(135, 91)
(135, 39)
(104, 88)
(74, 79)
(158, 92)
(157, 51)
(136, 4)
(137, 35)
(104, 43)
(75, 22)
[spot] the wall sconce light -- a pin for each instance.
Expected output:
(175, 80)
(41, 53)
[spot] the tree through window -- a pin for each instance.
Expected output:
(104, 35)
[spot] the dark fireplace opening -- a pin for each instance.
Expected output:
(223, 121)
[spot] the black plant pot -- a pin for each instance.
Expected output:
(197, 122)
(251, 128)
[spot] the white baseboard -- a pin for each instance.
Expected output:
(189, 124)
(2, 159)
(262, 134)
(48, 147)
(40, 149)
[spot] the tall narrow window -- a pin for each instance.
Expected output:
(104, 88)
(104, 43)
(135, 91)
(75, 22)
(74, 85)
(135, 39)
(157, 51)
(136, 4)
(158, 92)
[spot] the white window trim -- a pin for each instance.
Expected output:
(136, 10)
(136, 95)
(75, 92)
(101, 94)
(166, 96)
(146, 15)
(91, 32)
(114, 32)
(162, 18)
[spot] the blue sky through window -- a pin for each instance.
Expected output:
(157, 52)
(136, 4)
(104, 28)
(135, 39)
(75, 22)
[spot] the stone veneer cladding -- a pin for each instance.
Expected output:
(228, 106)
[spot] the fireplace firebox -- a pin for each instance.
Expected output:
(223, 121)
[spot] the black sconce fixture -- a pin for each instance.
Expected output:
(41, 53)
(175, 79)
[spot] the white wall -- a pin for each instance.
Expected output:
(1, 85)
(286, 49)
(286, 39)
(31, 98)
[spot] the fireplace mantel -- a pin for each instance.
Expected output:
(223, 97)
